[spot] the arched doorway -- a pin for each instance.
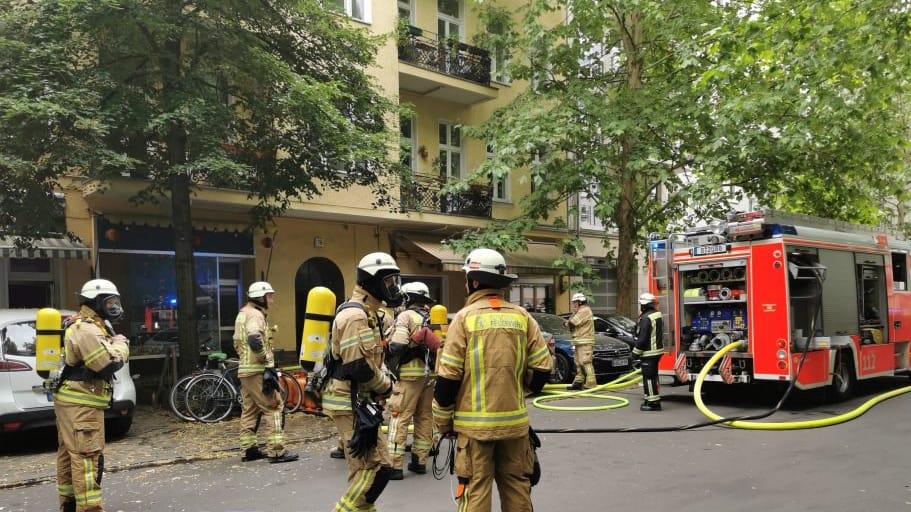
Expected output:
(315, 272)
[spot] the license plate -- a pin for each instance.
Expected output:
(620, 362)
(703, 250)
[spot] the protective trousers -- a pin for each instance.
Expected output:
(585, 370)
(80, 443)
(411, 399)
(368, 475)
(508, 461)
(650, 379)
(256, 403)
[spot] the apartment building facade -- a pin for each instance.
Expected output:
(448, 82)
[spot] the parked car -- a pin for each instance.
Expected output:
(612, 357)
(617, 326)
(24, 403)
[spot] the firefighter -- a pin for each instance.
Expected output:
(358, 379)
(582, 324)
(92, 353)
(412, 351)
(258, 378)
(649, 348)
(494, 353)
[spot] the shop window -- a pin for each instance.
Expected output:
(533, 297)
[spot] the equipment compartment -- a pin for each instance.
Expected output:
(714, 300)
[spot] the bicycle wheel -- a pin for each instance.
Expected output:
(210, 398)
(291, 391)
(177, 399)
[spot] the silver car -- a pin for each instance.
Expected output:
(24, 403)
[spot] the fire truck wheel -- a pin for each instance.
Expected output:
(843, 378)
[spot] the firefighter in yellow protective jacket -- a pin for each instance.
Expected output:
(258, 379)
(582, 324)
(494, 353)
(411, 356)
(92, 354)
(359, 381)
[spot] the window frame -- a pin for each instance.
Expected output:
(348, 9)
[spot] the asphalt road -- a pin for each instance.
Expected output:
(863, 465)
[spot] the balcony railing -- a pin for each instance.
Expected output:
(423, 194)
(450, 57)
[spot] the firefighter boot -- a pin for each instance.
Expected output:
(576, 386)
(396, 474)
(337, 453)
(285, 457)
(650, 406)
(68, 506)
(416, 467)
(253, 453)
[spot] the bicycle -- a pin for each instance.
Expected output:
(212, 397)
(177, 397)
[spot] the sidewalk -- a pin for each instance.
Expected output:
(156, 439)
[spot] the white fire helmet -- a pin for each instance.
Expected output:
(579, 297)
(96, 287)
(259, 289)
(646, 298)
(417, 292)
(489, 267)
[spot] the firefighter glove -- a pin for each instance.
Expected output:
(270, 381)
(424, 336)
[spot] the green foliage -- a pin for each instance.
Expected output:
(665, 113)
(271, 98)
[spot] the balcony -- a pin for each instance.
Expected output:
(423, 195)
(444, 69)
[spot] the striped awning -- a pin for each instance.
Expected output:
(44, 248)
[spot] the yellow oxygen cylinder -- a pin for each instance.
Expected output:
(317, 321)
(439, 320)
(48, 342)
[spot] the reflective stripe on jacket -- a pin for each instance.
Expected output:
(88, 344)
(406, 324)
(250, 320)
(582, 324)
(358, 334)
(649, 341)
(490, 347)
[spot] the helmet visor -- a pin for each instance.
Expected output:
(392, 288)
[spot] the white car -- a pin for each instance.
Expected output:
(24, 403)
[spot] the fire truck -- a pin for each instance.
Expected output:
(790, 288)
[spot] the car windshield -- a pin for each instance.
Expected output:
(19, 339)
(551, 323)
(621, 321)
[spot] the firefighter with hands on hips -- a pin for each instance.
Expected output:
(582, 324)
(358, 379)
(92, 353)
(649, 349)
(258, 378)
(494, 353)
(412, 351)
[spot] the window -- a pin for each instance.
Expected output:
(406, 11)
(449, 20)
(899, 271)
(500, 185)
(533, 296)
(499, 53)
(357, 9)
(406, 142)
(450, 150)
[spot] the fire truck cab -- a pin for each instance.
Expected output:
(767, 279)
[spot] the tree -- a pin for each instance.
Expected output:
(664, 112)
(268, 97)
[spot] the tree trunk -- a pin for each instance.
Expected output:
(185, 272)
(181, 216)
(627, 285)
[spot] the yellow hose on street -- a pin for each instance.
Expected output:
(558, 392)
(786, 425)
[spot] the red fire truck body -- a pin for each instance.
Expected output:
(765, 279)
